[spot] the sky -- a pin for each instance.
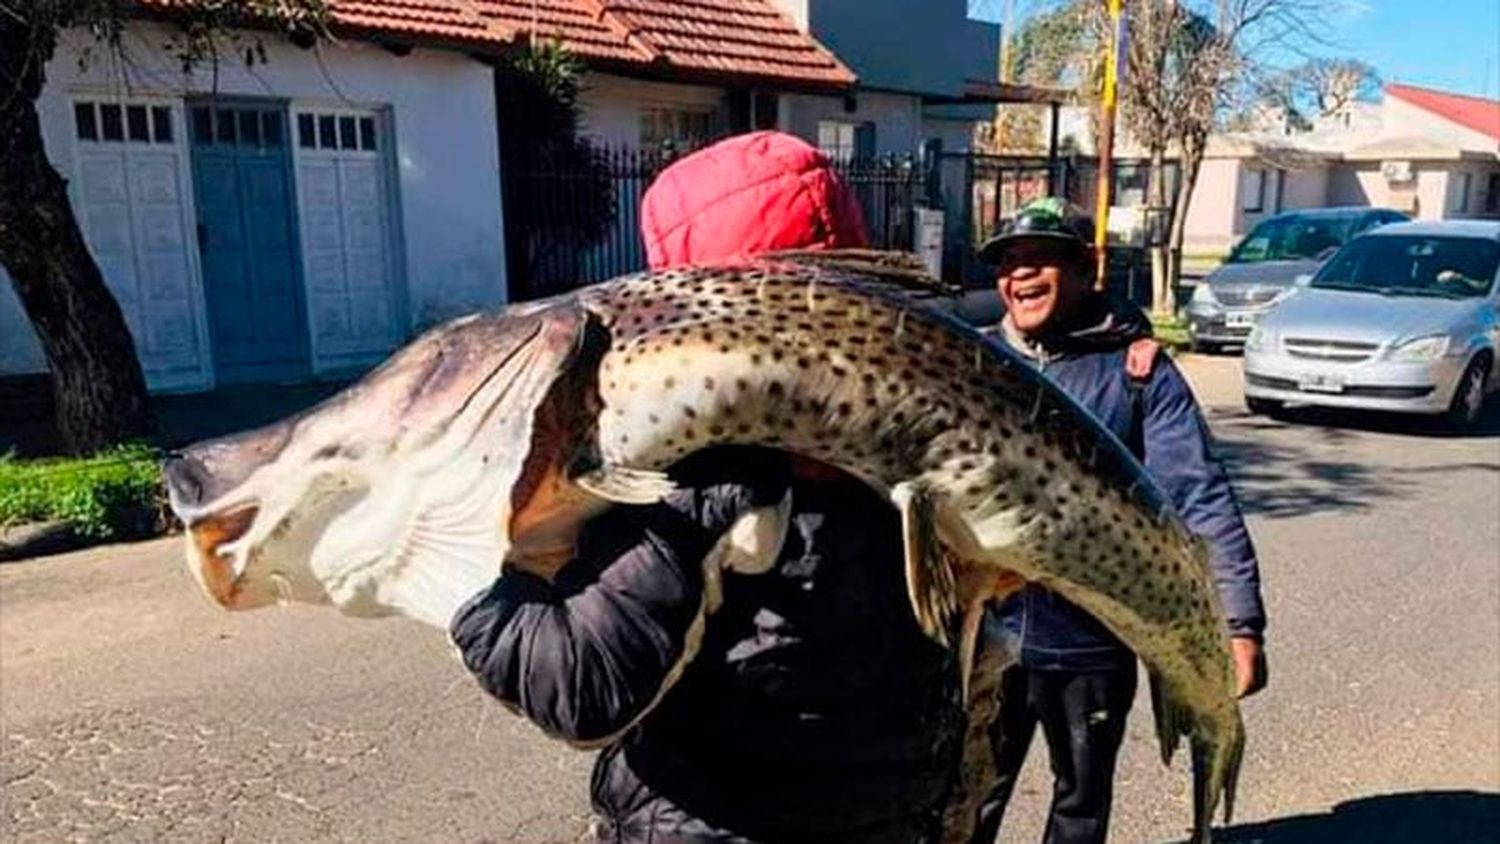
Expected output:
(1451, 45)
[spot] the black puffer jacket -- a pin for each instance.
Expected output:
(815, 709)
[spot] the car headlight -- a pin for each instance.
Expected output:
(1203, 294)
(1421, 348)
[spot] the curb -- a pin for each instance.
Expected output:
(38, 539)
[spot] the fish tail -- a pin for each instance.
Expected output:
(1216, 773)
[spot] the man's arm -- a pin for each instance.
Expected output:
(1177, 454)
(584, 663)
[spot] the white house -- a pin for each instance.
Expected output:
(1429, 154)
(294, 219)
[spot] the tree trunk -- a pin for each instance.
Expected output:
(98, 387)
(1161, 285)
(1192, 160)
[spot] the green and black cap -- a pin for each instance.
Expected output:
(1049, 218)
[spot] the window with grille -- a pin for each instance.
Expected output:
(680, 127)
(97, 121)
(246, 127)
(844, 141)
(336, 131)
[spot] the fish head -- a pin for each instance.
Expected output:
(391, 496)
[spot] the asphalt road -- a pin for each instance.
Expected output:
(131, 710)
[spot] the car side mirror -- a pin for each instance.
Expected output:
(1303, 280)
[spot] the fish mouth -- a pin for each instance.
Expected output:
(213, 537)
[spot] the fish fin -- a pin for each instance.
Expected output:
(1172, 721)
(977, 766)
(978, 587)
(931, 583)
(624, 485)
(1216, 762)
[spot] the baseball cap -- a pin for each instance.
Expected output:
(1049, 218)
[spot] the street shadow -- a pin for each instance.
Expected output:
(1404, 424)
(1442, 817)
(1276, 478)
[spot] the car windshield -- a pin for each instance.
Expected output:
(1298, 237)
(1414, 265)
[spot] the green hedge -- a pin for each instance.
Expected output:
(112, 494)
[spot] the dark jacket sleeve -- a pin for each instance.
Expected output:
(584, 656)
(1177, 453)
(582, 664)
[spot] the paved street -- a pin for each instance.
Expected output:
(132, 710)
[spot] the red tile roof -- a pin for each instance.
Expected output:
(684, 38)
(729, 36)
(1477, 113)
(446, 20)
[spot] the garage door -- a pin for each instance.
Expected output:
(132, 204)
(346, 236)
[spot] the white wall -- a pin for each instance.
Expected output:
(897, 118)
(611, 105)
(445, 165)
(1402, 119)
(1214, 207)
(796, 10)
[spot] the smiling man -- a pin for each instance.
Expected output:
(1073, 677)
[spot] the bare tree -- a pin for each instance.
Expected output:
(1318, 87)
(1044, 52)
(99, 389)
(1185, 61)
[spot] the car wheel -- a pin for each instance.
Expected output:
(1468, 399)
(1264, 407)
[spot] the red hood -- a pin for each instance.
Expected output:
(745, 195)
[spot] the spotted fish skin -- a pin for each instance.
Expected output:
(830, 365)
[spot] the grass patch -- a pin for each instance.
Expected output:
(1171, 332)
(117, 493)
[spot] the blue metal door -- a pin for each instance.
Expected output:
(247, 237)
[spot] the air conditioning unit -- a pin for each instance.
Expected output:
(1397, 172)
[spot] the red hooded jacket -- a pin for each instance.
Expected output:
(745, 195)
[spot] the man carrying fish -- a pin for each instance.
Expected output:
(727, 622)
(1074, 678)
(816, 709)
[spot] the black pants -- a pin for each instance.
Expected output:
(1083, 718)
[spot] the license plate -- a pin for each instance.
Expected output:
(1320, 384)
(1239, 320)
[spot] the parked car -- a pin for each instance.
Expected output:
(1263, 267)
(1404, 318)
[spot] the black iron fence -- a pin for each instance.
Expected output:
(888, 188)
(975, 191)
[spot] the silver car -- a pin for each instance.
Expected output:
(1262, 268)
(1405, 318)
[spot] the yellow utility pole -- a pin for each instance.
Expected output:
(1107, 142)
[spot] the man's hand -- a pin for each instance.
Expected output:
(542, 563)
(1250, 672)
(1140, 358)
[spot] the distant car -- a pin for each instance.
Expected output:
(1404, 318)
(1264, 265)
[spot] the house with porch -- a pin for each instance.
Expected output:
(294, 219)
